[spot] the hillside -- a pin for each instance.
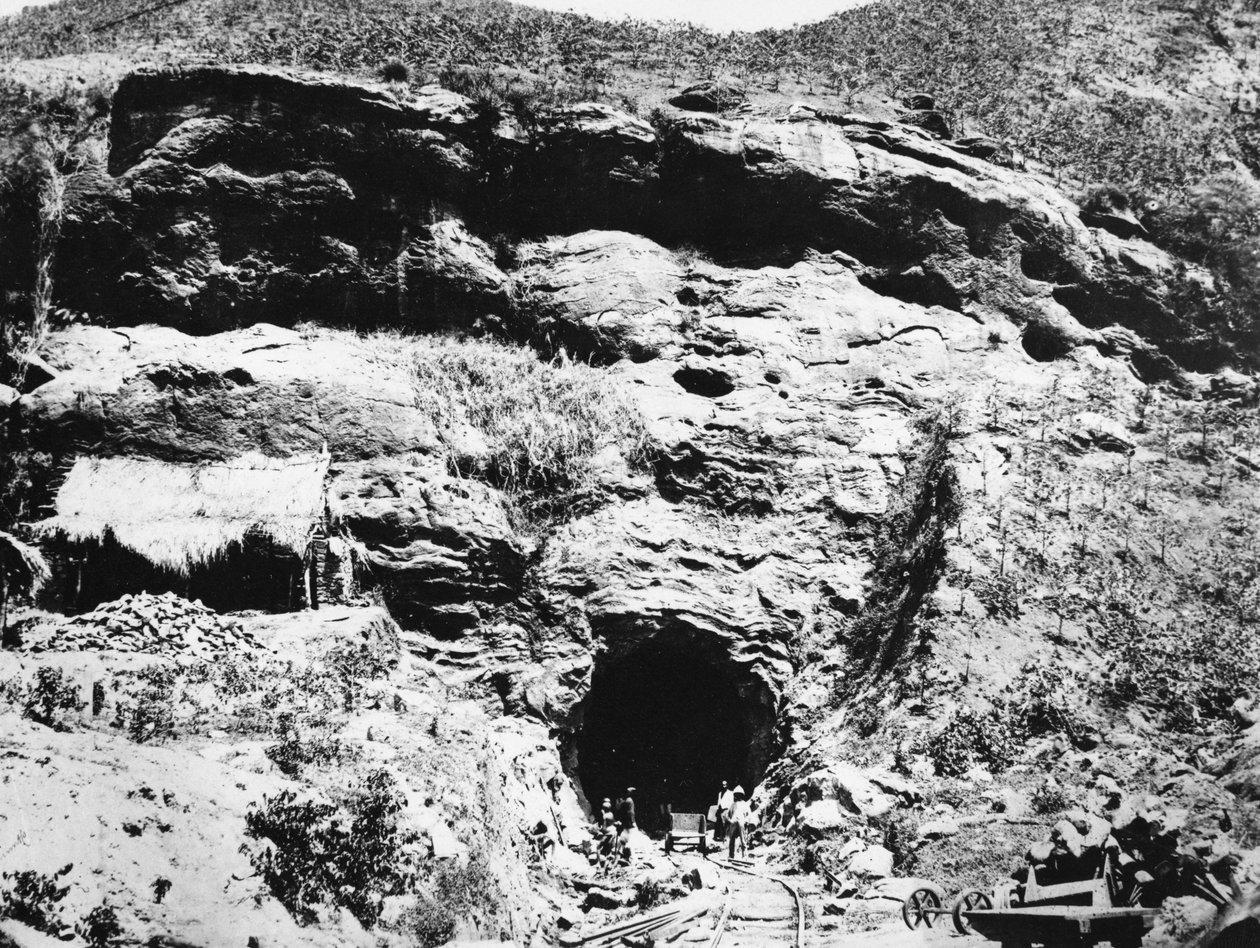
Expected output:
(1147, 94)
(393, 470)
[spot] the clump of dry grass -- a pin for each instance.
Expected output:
(536, 429)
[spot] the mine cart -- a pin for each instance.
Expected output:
(1062, 915)
(690, 828)
(1063, 926)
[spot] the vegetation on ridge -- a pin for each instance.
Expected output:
(1092, 88)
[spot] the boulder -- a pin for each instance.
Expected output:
(590, 165)
(875, 861)
(1014, 804)
(601, 898)
(281, 197)
(854, 792)
(931, 121)
(1091, 430)
(822, 817)
(938, 829)
(712, 95)
(703, 876)
(442, 548)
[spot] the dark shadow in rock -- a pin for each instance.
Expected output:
(706, 382)
(916, 285)
(673, 720)
(1045, 344)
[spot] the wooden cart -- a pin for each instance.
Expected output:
(1063, 926)
(690, 828)
(1060, 915)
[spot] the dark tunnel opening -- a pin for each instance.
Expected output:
(673, 723)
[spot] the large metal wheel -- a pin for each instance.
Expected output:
(921, 908)
(969, 901)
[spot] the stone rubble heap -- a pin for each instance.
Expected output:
(1143, 843)
(164, 624)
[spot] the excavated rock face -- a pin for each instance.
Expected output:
(243, 194)
(854, 276)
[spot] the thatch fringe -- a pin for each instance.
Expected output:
(179, 516)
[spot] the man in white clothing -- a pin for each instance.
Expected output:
(725, 801)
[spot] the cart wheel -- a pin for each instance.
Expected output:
(921, 908)
(969, 901)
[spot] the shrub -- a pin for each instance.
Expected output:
(465, 891)
(433, 922)
(32, 898)
(100, 928)
(648, 894)
(1217, 224)
(1188, 672)
(969, 738)
(149, 713)
(1000, 595)
(294, 752)
(1042, 702)
(909, 551)
(319, 853)
(1049, 799)
(395, 70)
(297, 865)
(51, 695)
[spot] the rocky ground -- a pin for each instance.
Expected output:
(921, 467)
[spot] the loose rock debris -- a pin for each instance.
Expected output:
(163, 624)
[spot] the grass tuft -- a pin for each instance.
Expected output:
(539, 430)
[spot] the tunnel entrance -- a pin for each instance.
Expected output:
(672, 722)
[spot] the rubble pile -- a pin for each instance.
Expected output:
(164, 624)
(1135, 843)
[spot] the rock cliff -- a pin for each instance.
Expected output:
(813, 314)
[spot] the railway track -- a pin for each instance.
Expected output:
(761, 911)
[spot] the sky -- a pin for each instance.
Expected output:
(716, 14)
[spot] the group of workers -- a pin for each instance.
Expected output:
(615, 823)
(730, 816)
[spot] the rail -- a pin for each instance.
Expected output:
(792, 890)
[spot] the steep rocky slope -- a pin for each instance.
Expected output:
(913, 447)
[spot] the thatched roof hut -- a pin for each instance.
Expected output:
(178, 516)
(189, 520)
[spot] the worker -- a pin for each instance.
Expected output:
(544, 843)
(609, 846)
(625, 809)
(606, 818)
(725, 800)
(737, 819)
(623, 845)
